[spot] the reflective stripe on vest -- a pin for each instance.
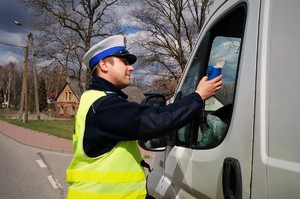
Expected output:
(115, 174)
(101, 194)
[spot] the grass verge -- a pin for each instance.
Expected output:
(59, 128)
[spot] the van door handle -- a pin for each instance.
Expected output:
(232, 179)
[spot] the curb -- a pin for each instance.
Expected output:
(35, 139)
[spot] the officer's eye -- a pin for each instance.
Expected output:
(125, 62)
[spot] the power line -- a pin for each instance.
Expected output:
(20, 55)
(12, 45)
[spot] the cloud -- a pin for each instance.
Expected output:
(124, 12)
(11, 47)
(6, 57)
(17, 39)
(12, 35)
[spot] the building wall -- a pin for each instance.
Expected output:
(66, 103)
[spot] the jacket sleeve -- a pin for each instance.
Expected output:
(130, 121)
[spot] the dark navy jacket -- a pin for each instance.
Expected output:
(115, 119)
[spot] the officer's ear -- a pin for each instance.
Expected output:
(103, 67)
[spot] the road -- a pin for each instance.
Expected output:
(28, 172)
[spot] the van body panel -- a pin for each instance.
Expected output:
(276, 165)
(263, 133)
(155, 178)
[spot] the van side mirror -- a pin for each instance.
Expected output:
(155, 144)
(154, 100)
(159, 143)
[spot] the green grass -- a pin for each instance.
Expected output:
(59, 128)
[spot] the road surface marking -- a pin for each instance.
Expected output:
(41, 163)
(54, 182)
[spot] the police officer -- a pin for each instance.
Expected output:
(107, 160)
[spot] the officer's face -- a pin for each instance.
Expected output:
(119, 71)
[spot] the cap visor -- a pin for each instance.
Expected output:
(129, 57)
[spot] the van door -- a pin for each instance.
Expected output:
(212, 156)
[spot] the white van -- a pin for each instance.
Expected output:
(247, 142)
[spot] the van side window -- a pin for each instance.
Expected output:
(223, 42)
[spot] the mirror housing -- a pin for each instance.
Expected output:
(155, 144)
(155, 100)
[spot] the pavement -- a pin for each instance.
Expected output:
(48, 142)
(35, 139)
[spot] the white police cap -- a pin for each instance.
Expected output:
(111, 46)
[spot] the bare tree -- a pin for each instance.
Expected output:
(54, 80)
(68, 28)
(7, 83)
(169, 29)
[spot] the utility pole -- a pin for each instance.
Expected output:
(36, 95)
(24, 94)
(21, 109)
(25, 118)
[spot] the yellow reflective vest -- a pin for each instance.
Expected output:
(113, 175)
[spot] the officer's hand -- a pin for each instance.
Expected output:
(206, 88)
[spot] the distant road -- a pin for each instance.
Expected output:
(27, 172)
